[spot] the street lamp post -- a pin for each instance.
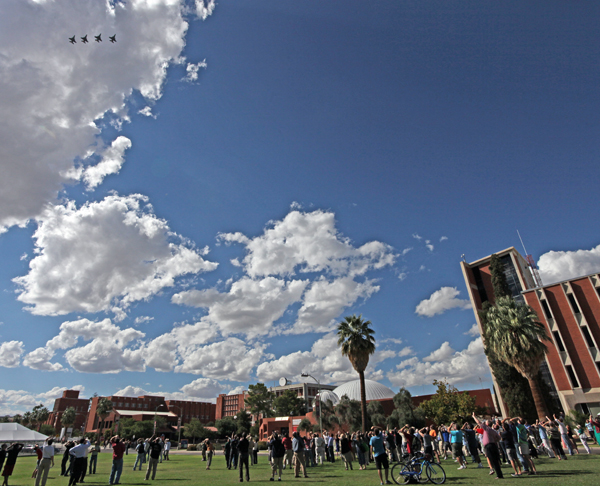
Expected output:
(157, 407)
(178, 425)
(306, 375)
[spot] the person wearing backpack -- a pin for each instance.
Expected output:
(141, 454)
(278, 451)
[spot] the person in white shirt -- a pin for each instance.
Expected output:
(79, 452)
(45, 464)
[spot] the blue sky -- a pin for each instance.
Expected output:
(193, 208)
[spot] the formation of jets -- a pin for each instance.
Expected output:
(98, 38)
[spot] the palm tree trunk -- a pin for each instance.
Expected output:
(540, 404)
(363, 401)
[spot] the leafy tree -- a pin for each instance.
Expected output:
(289, 403)
(448, 404)
(103, 410)
(515, 335)
(68, 417)
(355, 337)
(404, 411)
(226, 427)
(305, 425)
(40, 414)
(328, 416)
(259, 400)
(349, 413)
(376, 413)
(47, 429)
(194, 428)
(244, 421)
(255, 429)
(27, 419)
(5, 419)
(18, 418)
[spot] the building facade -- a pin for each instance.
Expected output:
(569, 310)
(70, 398)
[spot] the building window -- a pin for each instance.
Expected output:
(588, 337)
(558, 340)
(546, 309)
(126, 404)
(572, 377)
(573, 302)
(512, 278)
(480, 286)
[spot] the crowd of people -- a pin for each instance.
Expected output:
(509, 441)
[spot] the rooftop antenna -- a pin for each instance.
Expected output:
(533, 267)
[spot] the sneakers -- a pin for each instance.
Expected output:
(480, 466)
(388, 482)
(272, 479)
(462, 467)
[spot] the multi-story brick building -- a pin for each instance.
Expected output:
(70, 398)
(569, 310)
(230, 405)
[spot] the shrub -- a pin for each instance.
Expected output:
(192, 447)
(262, 445)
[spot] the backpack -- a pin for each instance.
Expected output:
(278, 448)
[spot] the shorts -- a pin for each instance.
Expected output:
(8, 470)
(524, 449)
(512, 454)
(428, 450)
(381, 461)
(457, 450)
(446, 446)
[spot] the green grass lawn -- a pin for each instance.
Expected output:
(188, 468)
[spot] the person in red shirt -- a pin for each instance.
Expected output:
(117, 465)
(37, 449)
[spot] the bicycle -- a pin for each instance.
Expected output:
(418, 469)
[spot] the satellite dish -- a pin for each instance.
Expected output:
(283, 381)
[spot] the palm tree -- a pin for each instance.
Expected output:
(355, 337)
(103, 410)
(515, 336)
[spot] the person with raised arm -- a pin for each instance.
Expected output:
(490, 445)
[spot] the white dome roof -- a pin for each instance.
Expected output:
(329, 395)
(373, 390)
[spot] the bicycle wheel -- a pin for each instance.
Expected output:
(396, 473)
(435, 473)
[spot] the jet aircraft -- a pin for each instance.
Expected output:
(113, 38)
(84, 39)
(98, 38)
(72, 40)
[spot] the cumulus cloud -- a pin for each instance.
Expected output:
(60, 94)
(192, 71)
(110, 349)
(324, 361)
(440, 301)
(473, 331)
(458, 367)
(250, 306)
(308, 242)
(556, 266)
(20, 401)
(103, 256)
(112, 160)
(10, 353)
(202, 389)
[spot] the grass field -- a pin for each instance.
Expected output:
(188, 468)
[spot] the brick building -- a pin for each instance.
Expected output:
(146, 407)
(230, 405)
(70, 398)
(569, 310)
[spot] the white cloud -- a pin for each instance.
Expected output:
(10, 353)
(109, 348)
(473, 331)
(296, 205)
(308, 242)
(417, 237)
(112, 160)
(458, 367)
(143, 319)
(440, 301)
(237, 390)
(250, 306)
(324, 361)
(443, 238)
(556, 266)
(20, 401)
(60, 94)
(202, 389)
(103, 256)
(441, 354)
(147, 111)
(192, 71)
(231, 359)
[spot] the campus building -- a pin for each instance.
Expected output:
(70, 398)
(569, 310)
(148, 407)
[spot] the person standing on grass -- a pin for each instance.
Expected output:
(78, 453)
(210, 450)
(2, 455)
(278, 453)
(381, 459)
(456, 440)
(227, 452)
(167, 449)
(242, 447)
(298, 448)
(11, 459)
(596, 425)
(45, 464)
(155, 452)
(289, 453)
(117, 465)
(490, 439)
(94, 458)
(471, 439)
(140, 448)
